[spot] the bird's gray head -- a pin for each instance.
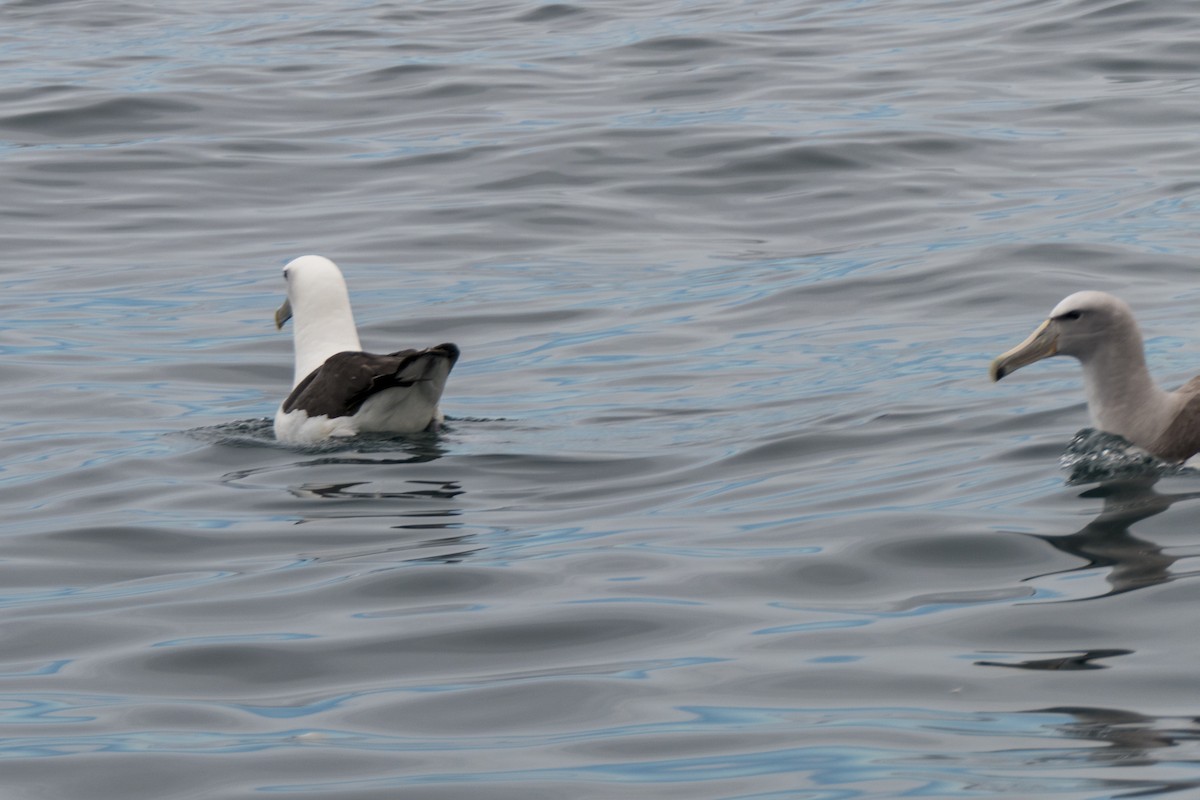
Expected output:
(310, 279)
(1078, 326)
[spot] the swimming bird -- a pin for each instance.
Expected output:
(1100, 331)
(337, 389)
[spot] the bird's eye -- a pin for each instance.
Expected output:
(1071, 315)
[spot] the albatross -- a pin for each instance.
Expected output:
(1100, 331)
(337, 389)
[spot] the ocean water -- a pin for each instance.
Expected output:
(726, 506)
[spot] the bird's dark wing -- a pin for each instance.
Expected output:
(340, 386)
(1181, 440)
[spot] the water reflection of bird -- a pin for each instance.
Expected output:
(1108, 543)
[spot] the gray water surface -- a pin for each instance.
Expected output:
(726, 506)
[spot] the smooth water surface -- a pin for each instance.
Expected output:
(726, 506)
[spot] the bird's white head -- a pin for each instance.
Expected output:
(320, 304)
(1079, 326)
(312, 282)
(1087, 320)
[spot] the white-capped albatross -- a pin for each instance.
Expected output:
(1100, 331)
(338, 390)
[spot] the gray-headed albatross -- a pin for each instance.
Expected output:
(337, 389)
(1100, 331)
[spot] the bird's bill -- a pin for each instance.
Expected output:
(283, 314)
(1042, 343)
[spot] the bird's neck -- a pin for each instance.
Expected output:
(319, 335)
(1133, 406)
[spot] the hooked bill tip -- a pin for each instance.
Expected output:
(283, 314)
